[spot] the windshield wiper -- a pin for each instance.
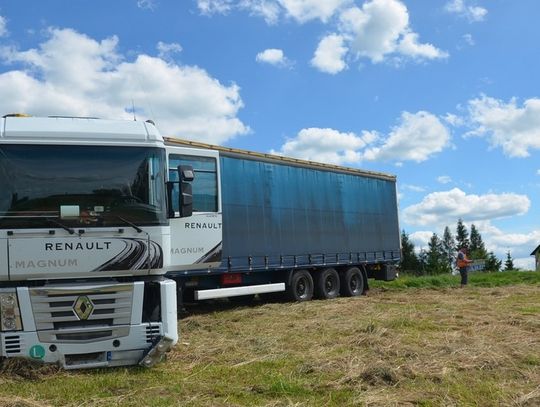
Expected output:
(50, 220)
(127, 222)
(70, 230)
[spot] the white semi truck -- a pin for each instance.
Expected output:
(101, 222)
(85, 242)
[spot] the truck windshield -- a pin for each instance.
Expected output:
(99, 186)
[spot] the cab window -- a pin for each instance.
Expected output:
(205, 190)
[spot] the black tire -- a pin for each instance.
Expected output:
(352, 282)
(327, 284)
(301, 287)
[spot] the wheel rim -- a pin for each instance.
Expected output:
(301, 287)
(330, 285)
(355, 283)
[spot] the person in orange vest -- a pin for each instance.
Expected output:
(462, 263)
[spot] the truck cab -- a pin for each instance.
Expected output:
(84, 242)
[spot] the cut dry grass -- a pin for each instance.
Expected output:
(26, 369)
(477, 346)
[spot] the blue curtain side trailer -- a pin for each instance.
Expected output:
(303, 227)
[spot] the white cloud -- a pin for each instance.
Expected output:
(523, 263)
(381, 28)
(209, 7)
(520, 245)
(274, 57)
(306, 10)
(420, 239)
(267, 9)
(329, 56)
(461, 8)
(444, 179)
(417, 138)
(376, 27)
(326, 145)
(454, 6)
(3, 27)
(502, 240)
(97, 81)
(453, 120)
(377, 30)
(301, 11)
(165, 50)
(513, 128)
(147, 4)
(476, 13)
(440, 208)
(469, 40)
(410, 46)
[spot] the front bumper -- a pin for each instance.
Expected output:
(53, 335)
(129, 350)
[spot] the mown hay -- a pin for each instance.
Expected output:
(18, 368)
(20, 402)
(451, 347)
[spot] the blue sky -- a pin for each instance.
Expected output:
(443, 93)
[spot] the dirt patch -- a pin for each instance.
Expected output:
(19, 402)
(16, 368)
(381, 375)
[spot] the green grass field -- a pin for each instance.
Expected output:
(476, 279)
(415, 341)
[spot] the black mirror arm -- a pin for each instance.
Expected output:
(170, 208)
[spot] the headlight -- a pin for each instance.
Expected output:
(10, 314)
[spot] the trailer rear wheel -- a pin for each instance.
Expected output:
(327, 284)
(352, 282)
(301, 286)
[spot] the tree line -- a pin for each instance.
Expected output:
(439, 258)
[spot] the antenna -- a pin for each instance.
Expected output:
(145, 99)
(133, 108)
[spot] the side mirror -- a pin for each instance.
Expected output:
(185, 196)
(186, 191)
(186, 173)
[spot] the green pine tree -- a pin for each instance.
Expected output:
(462, 235)
(477, 248)
(436, 262)
(493, 263)
(449, 247)
(422, 259)
(509, 263)
(409, 261)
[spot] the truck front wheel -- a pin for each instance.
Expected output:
(300, 287)
(352, 282)
(327, 284)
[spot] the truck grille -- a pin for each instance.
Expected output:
(83, 313)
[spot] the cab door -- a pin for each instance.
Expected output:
(196, 240)
(4, 272)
